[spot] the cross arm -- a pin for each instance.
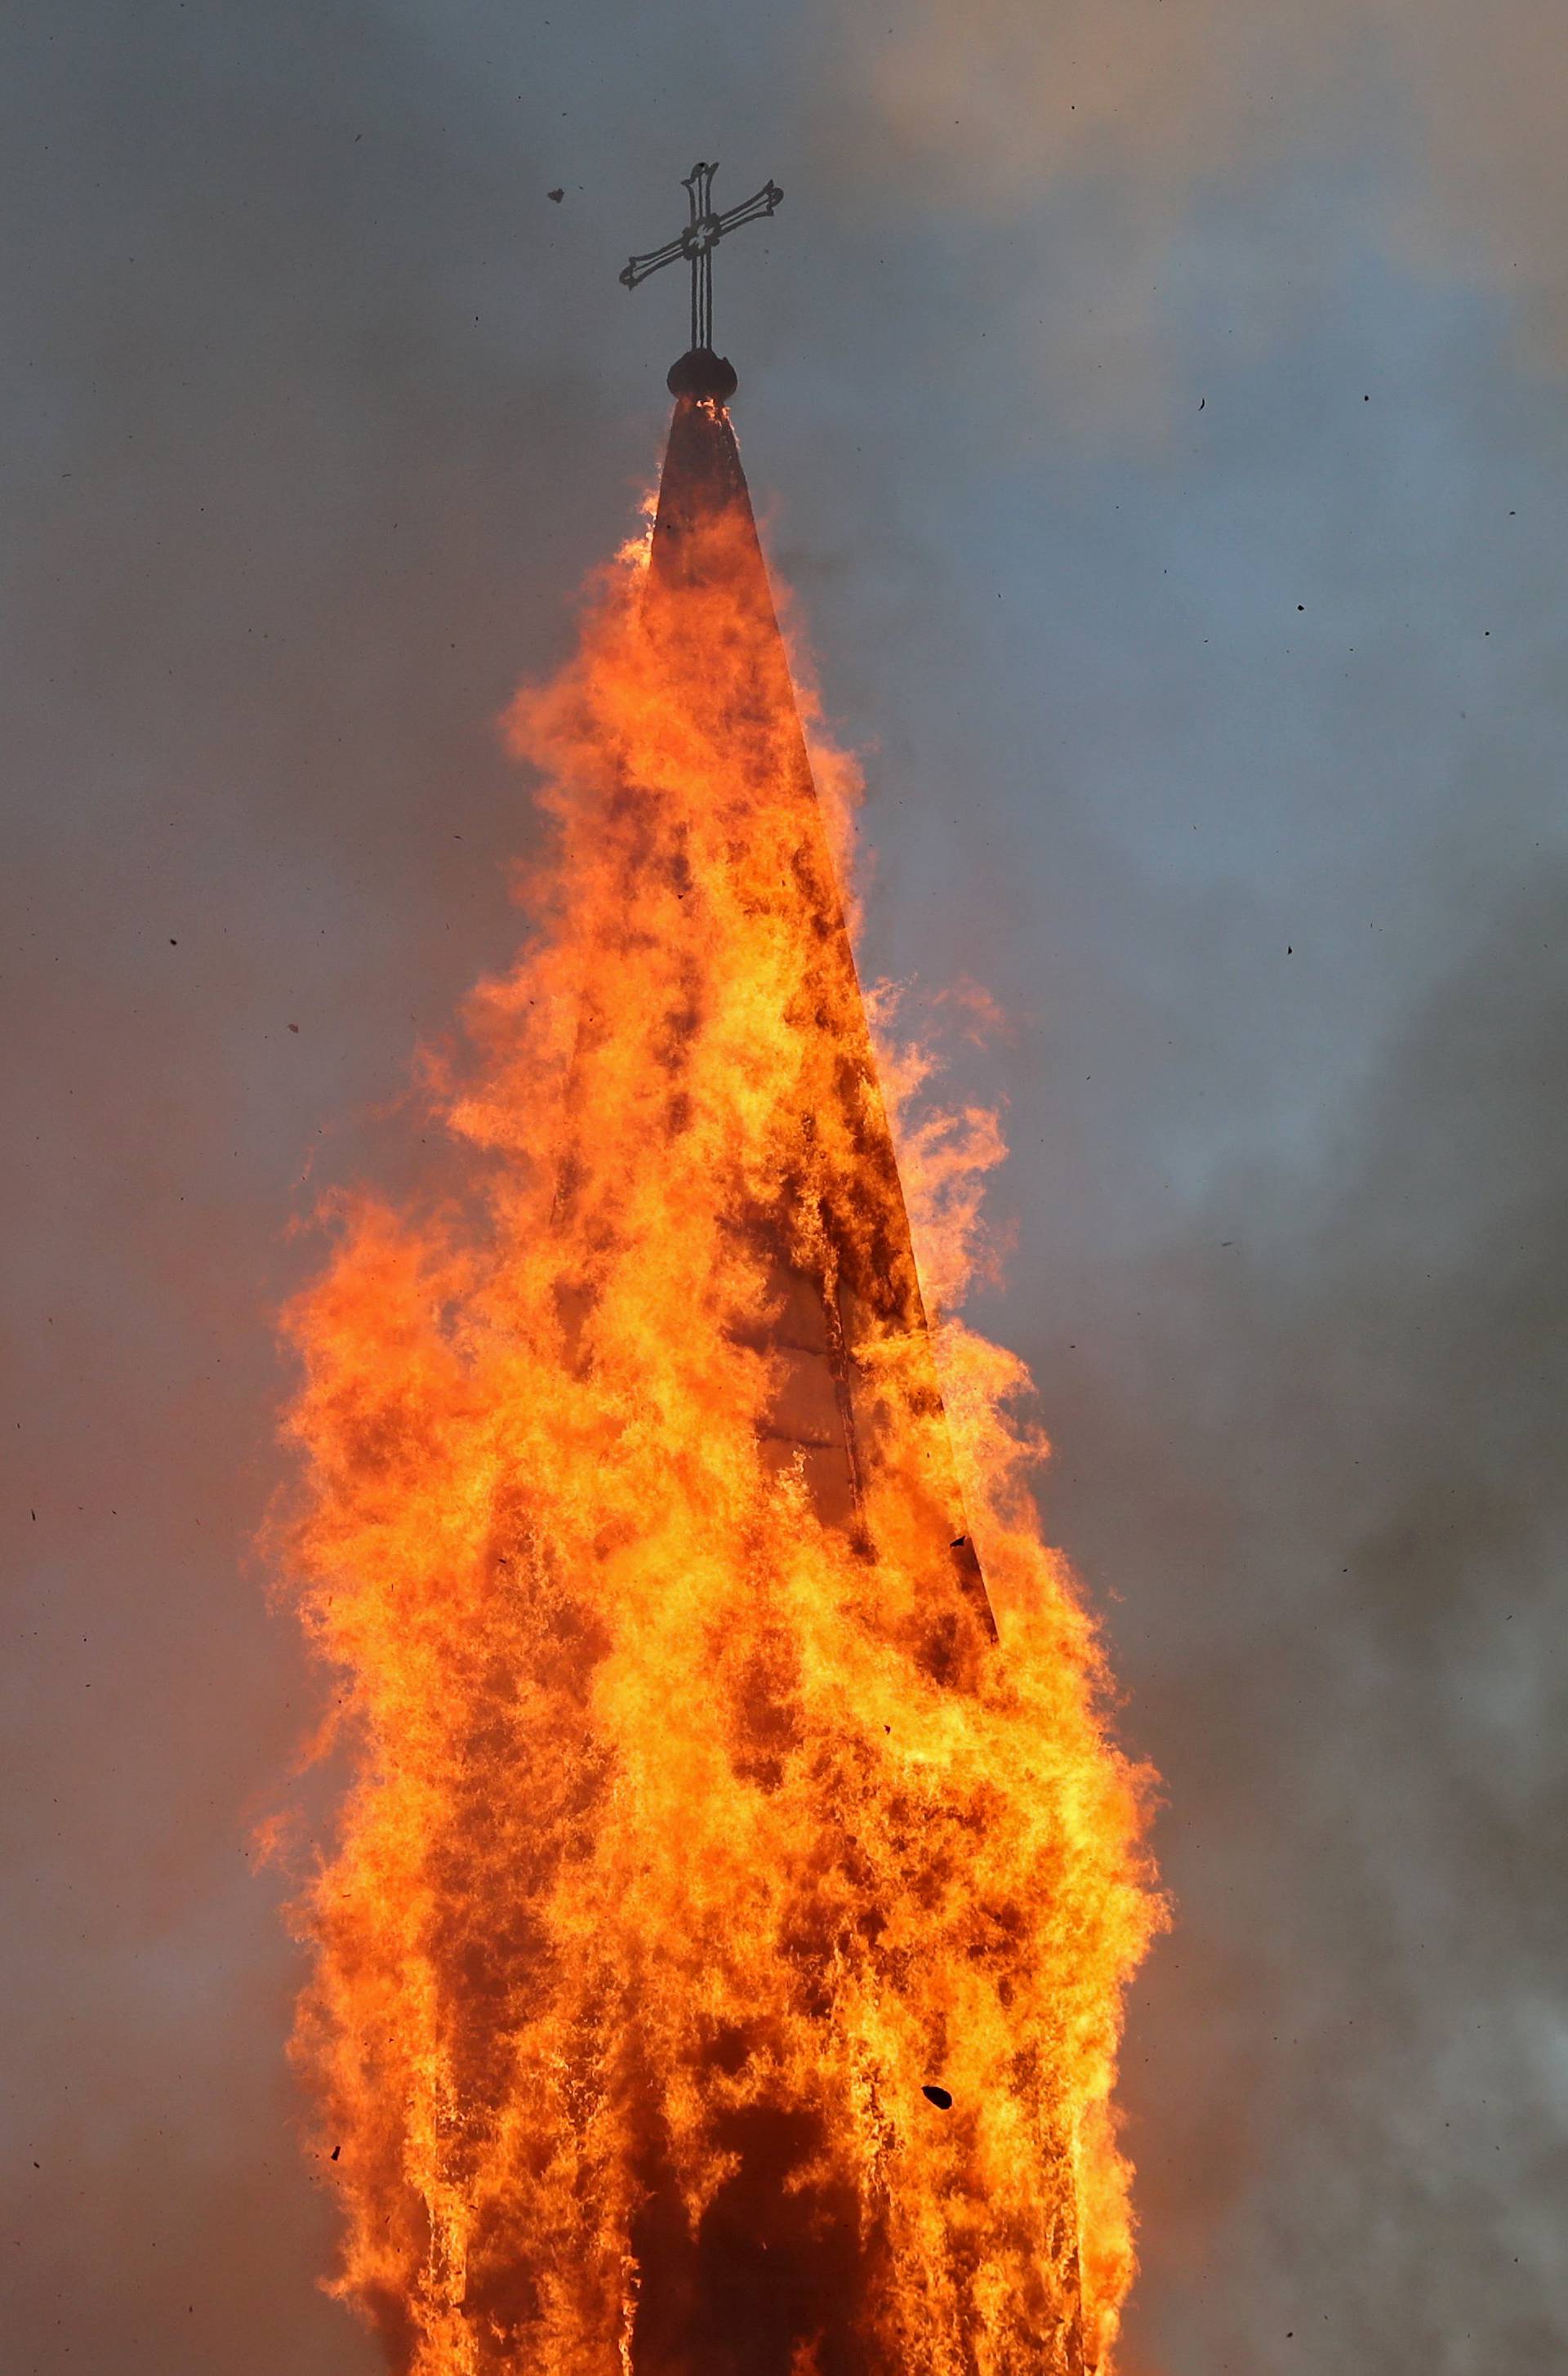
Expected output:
(640, 266)
(748, 210)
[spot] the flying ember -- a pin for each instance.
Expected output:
(717, 1962)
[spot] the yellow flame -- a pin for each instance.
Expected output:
(697, 1825)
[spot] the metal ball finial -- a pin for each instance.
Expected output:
(700, 373)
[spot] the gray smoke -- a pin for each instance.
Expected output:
(317, 410)
(1339, 1541)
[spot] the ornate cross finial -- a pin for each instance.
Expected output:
(696, 243)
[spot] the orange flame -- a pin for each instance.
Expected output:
(718, 1965)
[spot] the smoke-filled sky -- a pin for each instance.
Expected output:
(1160, 410)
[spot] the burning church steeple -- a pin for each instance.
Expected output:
(848, 1328)
(850, 1332)
(718, 1965)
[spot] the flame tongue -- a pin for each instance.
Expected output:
(720, 1965)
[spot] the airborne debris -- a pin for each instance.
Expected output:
(555, 196)
(940, 2097)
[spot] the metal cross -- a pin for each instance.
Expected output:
(696, 243)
